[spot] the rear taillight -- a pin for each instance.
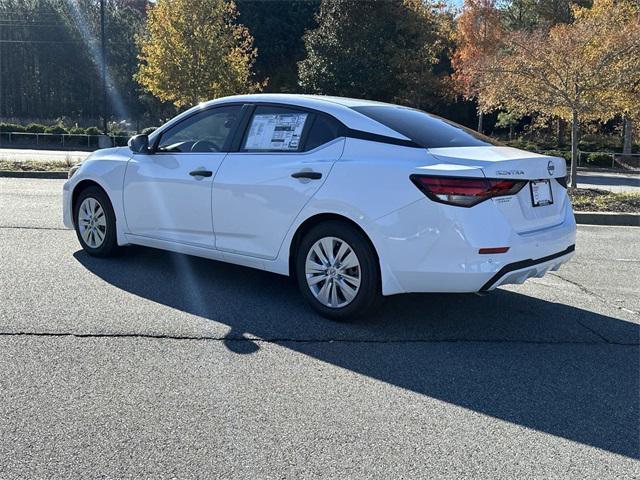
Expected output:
(465, 192)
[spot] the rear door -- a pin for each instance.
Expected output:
(283, 157)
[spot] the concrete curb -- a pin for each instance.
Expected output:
(32, 174)
(608, 218)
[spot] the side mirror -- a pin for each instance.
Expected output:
(139, 144)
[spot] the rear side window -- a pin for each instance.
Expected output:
(275, 129)
(428, 131)
(323, 130)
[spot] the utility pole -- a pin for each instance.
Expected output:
(104, 69)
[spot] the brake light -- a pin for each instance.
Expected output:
(465, 192)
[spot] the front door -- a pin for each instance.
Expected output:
(167, 194)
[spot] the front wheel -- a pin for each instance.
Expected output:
(95, 222)
(337, 271)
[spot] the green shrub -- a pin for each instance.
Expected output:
(35, 128)
(93, 131)
(148, 130)
(558, 153)
(514, 143)
(522, 144)
(546, 143)
(77, 130)
(599, 159)
(11, 127)
(121, 141)
(59, 129)
(599, 142)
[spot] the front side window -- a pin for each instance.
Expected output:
(428, 131)
(275, 129)
(206, 131)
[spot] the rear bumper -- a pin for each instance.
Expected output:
(518, 272)
(427, 247)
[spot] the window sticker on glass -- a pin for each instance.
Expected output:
(276, 131)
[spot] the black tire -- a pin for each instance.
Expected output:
(109, 245)
(368, 295)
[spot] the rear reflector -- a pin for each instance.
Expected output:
(465, 192)
(484, 251)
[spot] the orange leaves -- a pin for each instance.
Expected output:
(585, 67)
(478, 35)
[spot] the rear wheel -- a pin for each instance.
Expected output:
(95, 222)
(337, 271)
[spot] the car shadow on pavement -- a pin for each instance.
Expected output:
(546, 366)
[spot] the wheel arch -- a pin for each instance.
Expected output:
(83, 185)
(317, 219)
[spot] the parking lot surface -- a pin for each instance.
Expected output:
(159, 365)
(614, 182)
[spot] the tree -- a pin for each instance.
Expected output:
(125, 19)
(386, 51)
(49, 54)
(532, 14)
(575, 71)
(508, 120)
(277, 27)
(194, 51)
(478, 35)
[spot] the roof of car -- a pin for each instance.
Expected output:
(293, 98)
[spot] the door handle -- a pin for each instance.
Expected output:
(307, 174)
(201, 173)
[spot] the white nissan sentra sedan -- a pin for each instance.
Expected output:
(355, 199)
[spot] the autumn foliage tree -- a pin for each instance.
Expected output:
(579, 71)
(478, 36)
(194, 51)
(386, 50)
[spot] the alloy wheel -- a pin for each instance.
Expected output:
(333, 272)
(92, 222)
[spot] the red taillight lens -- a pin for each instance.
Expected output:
(465, 192)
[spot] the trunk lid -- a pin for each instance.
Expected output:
(512, 163)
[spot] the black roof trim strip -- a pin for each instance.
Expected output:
(511, 267)
(374, 137)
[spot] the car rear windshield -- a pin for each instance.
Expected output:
(429, 131)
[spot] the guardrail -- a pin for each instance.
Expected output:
(629, 161)
(63, 141)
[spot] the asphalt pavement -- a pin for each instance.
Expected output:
(157, 365)
(613, 181)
